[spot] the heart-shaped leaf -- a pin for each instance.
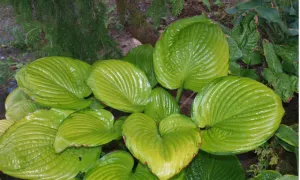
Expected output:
(120, 85)
(118, 165)
(161, 104)
(56, 82)
(4, 125)
(212, 167)
(236, 115)
(166, 147)
(19, 105)
(87, 128)
(191, 52)
(142, 57)
(27, 152)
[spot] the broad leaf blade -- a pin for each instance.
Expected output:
(234, 51)
(120, 85)
(161, 104)
(27, 152)
(271, 58)
(166, 149)
(118, 165)
(142, 57)
(57, 82)
(267, 175)
(207, 167)
(15, 96)
(191, 52)
(269, 14)
(4, 125)
(87, 128)
(289, 56)
(231, 109)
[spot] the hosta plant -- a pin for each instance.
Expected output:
(78, 111)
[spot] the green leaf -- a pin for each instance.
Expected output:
(15, 96)
(267, 175)
(288, 177)
(295, 83)
(87, 128)
(4, 125)
(288, 135)
(285, 145)
(166, 147)
(120, 85)
(118, 165)
(161, 104)
(246, 36)
(212, 167)
(18, 105)
(188, 52)
(234, 51)
(96, 104)
(271, 58)
(207, 4)
(289, 56)
(249, 4)
(27, 152)
(281, 82)
(142, 57)
(269, 14)
(230, 110)
(236, 69)
(57, 82)
(177, 6)
(253, 58)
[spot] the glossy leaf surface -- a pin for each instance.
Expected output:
(288, 135)
(4, 125)
(190, 53)
(236, 115)
(120, 85)
(207, 167)
(87, 128)
(19, 105)
(27, 152)
(161, 104)
(57, 82)
(142, 57)
(166, 147)
(118, 165)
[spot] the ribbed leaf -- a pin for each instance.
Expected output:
(15, 96)
(87, 128)
(142, 57)
(120, 85)
(4, 125)
(191, 52)
(118, 165)
(212, 167)
(57, 82)
(19, 105)
(161, 104)
(27, 152)
(236, 115)
(166, 147)
(288, 135)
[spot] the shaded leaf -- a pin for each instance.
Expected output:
(161, 104)
(188, 52)
(271, 58)
(142, 57)
(56, 82)
(118, 165)
(87, 128)
(288, 135)
(166, 147)
(289, 56)
(234, 51)
(231, 109)
(269, 14)
(207, 167)
(120, 85)
(267, 175)
(236, 69)
(27, 152)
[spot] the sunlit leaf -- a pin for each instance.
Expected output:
(120, 85)
(27, 152)
(87, 128)
(230, 110)
(118, 165)
(190, 53)
(4, 125)
(57, 82)
(166, 147)
(161, 104)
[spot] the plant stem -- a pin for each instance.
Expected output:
(178, 95)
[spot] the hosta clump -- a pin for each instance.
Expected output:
(230, 114)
